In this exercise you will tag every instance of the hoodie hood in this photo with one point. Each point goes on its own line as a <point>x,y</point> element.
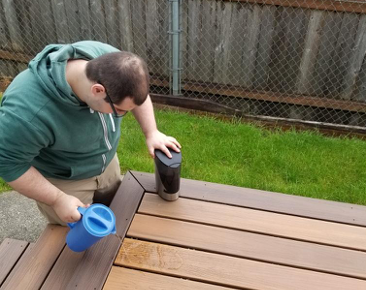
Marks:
<point>49,66</point>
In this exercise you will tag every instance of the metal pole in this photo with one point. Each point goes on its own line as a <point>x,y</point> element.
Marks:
<point>175,30</point>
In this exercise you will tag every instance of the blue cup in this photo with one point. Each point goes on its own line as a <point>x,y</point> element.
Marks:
<point>97,221</point>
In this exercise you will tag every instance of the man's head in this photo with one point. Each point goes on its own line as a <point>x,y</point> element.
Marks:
<point>122,74</point>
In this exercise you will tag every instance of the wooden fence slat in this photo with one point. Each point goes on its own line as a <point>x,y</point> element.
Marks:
<point>125,25</point>
<point>311,48</point>
<point>125,279</point>
<point>139,27</point>
<point>36,22</point>
<point>327,48</point>
<point>191,64</point>
<point>241,55</point>
<point>352,214</point>
<point>154,37</point>
<point>12,23</point>
<point>360,90</point>
<point>226,271</point>
<point>251,38</point>
<point>265,42</point>
<point>10,251</point>
<point>112,23</point>
<point>97,20</point>
<point>250,245</point>
<point>85,19</point>
<point>4,43</point>
<point>29,274</point>
<point>72,12</point>
<point>224,16</point>
<point>359,53</point>
<point>59,16</point>
<point>83,271</point>
<point>337,69</point>
<point>239,218</point>
<point>208,41</point>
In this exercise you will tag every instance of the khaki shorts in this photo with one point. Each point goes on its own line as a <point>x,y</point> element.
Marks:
<point>97,189</point>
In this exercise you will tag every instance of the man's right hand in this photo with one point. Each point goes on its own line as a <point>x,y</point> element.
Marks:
<point>65,206</point>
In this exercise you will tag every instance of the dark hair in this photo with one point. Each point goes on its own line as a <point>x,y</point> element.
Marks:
<point>123,74</point>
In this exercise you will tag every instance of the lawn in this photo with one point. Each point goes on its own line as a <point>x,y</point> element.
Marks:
<point>235,153</point>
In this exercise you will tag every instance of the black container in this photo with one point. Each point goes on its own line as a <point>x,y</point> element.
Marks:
<point>167,174</point>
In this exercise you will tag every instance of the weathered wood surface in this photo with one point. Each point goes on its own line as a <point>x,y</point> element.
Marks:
<point>89,269</point>
<point>210,236</point>
<point>126,279</point>
<point>33,270</point>
<point>269,201</point>
<point>226,270</point>
<point>49,264</point>
<point>10,251</point>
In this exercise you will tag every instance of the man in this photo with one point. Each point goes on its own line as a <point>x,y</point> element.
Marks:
<point>59,125</point>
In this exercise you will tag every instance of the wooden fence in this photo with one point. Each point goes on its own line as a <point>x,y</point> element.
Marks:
<point>304,52</point>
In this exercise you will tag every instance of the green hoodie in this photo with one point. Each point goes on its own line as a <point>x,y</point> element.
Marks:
<point>44,124</point>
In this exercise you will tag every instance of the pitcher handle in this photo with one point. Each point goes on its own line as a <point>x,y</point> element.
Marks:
<point>81,210</point>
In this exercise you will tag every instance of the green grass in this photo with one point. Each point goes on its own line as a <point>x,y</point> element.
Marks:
<point>234,153</point>
<point>300,163</point>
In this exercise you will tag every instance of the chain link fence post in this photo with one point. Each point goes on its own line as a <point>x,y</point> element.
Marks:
<point>174,35</point>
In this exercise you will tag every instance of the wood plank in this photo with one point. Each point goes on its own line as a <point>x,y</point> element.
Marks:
<point>80,268</point>
<point>359,53</point>
<point>31,273</point>
<point>72,12</point>
<point>287,49</point>
<point>10,252</point>
<point>4,42</point>
<point>122,278</point>
<point>125,25</point>
<point>311,48</point>
<point>138,16</point>
<point>12,24</point>
<point>226,271</point>
<point>208,41</point>
<point>249,245</point>
<point>85,19</point>
<point>97,17</point>
<point>251,42</point>
<point>360,91</point>
<point>327,49</point>
<point>59,16</point>
<point>239,218</point>
<point>265,42</point>
<point>264,200</point>
<point>191,63</point>
<point>337,69</point>
<point>222,69</point>
<point>112,22</point>
<point>37,23</point>
<point>242,45</point>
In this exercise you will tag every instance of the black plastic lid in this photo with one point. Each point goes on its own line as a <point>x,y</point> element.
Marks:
<point>170,162</point>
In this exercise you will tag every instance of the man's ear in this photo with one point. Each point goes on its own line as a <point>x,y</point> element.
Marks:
<point>98,90</point>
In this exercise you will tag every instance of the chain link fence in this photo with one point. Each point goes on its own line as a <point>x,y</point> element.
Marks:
<point>294,59</point>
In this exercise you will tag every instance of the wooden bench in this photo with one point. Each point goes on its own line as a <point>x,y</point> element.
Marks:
<point>213,237</point>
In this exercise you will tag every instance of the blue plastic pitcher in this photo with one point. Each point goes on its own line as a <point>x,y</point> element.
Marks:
<point>97,221</point>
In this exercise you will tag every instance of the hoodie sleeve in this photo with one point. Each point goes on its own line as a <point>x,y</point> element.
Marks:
<point>20,142</point>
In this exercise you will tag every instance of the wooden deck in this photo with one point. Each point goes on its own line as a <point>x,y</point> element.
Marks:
<point>213,237</point>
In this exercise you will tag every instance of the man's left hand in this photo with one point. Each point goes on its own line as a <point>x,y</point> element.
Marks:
<point>158,140</point>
